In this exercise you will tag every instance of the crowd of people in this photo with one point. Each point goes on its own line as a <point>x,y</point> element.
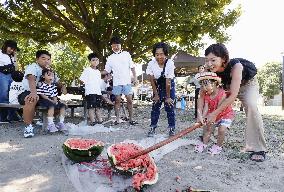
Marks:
<point>218,83</point>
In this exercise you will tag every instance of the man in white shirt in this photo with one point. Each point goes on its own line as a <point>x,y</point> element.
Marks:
<point>121,64</point>
<point>29,97</point>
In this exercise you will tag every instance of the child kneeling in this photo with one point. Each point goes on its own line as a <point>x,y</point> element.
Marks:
<point>214,95</point>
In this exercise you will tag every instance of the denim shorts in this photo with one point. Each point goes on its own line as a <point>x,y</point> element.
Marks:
<point>224,122</point>
<point>122,89</point>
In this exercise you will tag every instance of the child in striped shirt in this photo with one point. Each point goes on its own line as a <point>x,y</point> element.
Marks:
<point>47,92</point>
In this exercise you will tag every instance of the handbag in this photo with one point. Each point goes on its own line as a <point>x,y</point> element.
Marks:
<point>7,69</point>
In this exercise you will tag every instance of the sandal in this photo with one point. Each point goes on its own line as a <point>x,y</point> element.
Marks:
<point>256,155</point>
<point>133,122</point>
<point>116,123</point>
<point>199,147</point>
<point>93,123</point>
<point>215,150</point>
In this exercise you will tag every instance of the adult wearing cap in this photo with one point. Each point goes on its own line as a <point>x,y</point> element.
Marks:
<point>238,78</point>
<point>7,66</point>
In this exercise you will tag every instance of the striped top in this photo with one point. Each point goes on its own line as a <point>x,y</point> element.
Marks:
<point>46,89</point>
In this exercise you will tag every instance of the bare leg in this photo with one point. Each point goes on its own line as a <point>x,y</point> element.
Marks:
<point>117,107</point>
<point>29,111</point>
<point>98,115</point>
<point>91,115</point>
<point>207,131</point>
<point>130,107</point>
<point>62,112</point>
<point>221,135</point>
<point>50,112</point>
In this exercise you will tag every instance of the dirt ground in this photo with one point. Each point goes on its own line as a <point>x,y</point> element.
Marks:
<point>34,164</point>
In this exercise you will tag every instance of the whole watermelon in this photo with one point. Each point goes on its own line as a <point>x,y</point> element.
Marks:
<point>82,150</point>
<point>143,168</point>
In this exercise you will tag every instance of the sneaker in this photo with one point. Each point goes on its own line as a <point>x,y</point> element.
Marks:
<point>215,150</point>
<point>61,127</point>
<point>172,132</point>
<point>52,128</point>
<point>29,131</point>
<point>152,132</point>
<point>199,147</point>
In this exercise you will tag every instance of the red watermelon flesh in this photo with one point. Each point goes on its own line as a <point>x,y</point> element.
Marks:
<point>143,167</point>
<point>82,144</point>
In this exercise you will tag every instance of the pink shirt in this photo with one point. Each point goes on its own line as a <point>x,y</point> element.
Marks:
<point>213,103</point>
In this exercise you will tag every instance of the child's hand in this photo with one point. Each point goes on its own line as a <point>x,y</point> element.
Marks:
<point>211,118</point>
<point>200,119</point>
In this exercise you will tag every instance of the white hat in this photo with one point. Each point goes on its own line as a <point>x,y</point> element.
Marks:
<point>208,75</point>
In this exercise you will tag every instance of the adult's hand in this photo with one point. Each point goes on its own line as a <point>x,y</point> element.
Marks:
<point>32,97</point>
<point>200,119</point>
<point>156,98</point>
<point>169,101</point>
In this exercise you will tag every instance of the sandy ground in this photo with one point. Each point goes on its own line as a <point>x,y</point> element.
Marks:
<point>35,164</point>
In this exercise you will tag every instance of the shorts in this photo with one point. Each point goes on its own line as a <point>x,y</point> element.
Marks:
<point>122,89</point>
<point>224,122</point>
<point>93,101</point>
<point>48,104</point>
<point>22,96</point>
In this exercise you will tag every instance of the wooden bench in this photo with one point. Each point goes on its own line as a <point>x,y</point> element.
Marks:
<point>43,111</point>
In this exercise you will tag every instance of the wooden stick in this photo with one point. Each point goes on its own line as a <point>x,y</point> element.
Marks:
<point>162,143</point>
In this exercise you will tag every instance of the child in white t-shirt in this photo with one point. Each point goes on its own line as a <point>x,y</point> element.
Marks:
<point>16,87</point>
<point>91,78</point>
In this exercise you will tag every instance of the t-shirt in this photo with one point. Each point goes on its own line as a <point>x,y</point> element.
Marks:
<point>32,69</point>
<point>6,59</point>
<point>249,71</point>
<point>16,88</point>
<point>213,103</point>
<point>121,65</point>
<point>46,89</point>
<point>92,80</point>
<point>153,68</point>
<point>104,85</point>
<point>36,70</point>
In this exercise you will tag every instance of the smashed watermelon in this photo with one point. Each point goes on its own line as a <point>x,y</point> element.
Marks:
<point>82,150</point>
<point>143,168</point>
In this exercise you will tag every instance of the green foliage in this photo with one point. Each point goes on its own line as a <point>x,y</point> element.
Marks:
<point>269,78</point>
<point>68,62</point>
<point>140,23</point>
<point>67,28</point>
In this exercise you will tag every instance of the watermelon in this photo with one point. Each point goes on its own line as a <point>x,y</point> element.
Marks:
<point>82,150</point>
<point>143,168</point>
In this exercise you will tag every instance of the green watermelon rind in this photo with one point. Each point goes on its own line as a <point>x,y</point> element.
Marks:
<point>77,158</point>
<point>77,155</point>
<point>95,149</point>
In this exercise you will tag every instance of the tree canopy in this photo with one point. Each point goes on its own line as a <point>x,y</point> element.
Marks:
<point>139,23</point>
<point>269,78</point>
